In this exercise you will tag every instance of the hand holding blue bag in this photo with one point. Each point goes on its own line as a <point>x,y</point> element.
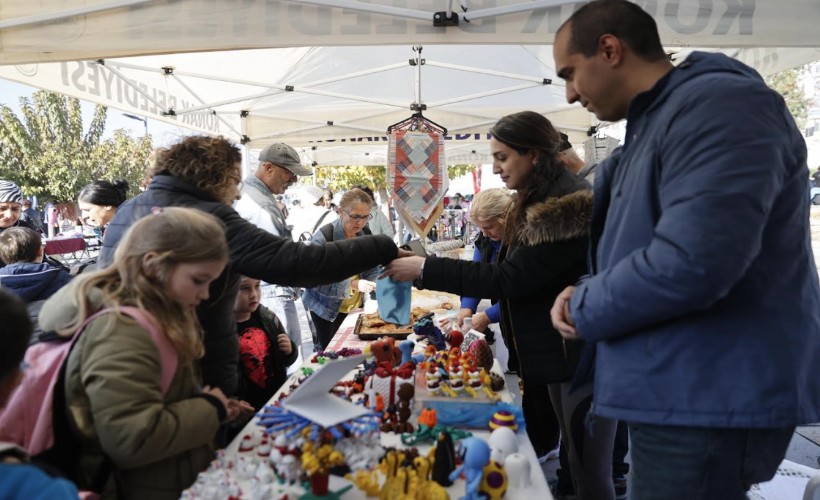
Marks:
<point>394,300</point>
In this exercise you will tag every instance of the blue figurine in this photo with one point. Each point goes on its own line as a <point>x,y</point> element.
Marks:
<point>476,456</point>
<point>425,329</point>
<point>406,348</point>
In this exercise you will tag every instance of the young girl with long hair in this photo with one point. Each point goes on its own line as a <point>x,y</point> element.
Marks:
<point>155,442</point>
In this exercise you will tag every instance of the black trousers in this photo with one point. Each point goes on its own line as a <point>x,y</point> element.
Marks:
<point>325,330</point>
<point>542,425</point>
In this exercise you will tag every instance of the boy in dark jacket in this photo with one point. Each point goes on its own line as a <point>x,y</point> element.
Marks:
<point>26,275</point>
<point>265,349</point>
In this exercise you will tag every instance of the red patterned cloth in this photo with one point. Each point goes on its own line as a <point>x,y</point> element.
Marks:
<point>417,176</point>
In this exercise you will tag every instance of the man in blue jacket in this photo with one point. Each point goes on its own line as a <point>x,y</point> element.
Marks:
<point>703,295</point>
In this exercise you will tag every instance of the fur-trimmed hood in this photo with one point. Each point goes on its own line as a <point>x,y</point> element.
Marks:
<point>557,219</point>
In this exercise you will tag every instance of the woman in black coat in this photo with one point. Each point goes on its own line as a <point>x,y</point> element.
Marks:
<point>544,249</point>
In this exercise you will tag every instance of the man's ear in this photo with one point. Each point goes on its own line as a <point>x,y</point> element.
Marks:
<point>41,254</point>
<point>611,49</point>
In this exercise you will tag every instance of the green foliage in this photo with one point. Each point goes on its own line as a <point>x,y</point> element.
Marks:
<point>787,84</point>
<point>341,178</point>
<point>48,154</point>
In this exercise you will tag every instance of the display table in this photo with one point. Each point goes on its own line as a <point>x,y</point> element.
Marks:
<point>59,246</point>
<point>345,338</point>
<point>68,251</point>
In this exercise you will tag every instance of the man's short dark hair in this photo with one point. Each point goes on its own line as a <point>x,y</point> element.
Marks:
<point>15,333</point>
<point>19,244</point>
<point>620,18</point>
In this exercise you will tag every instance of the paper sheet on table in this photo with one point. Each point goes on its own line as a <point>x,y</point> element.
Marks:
<point>313,401</point>
<point>394,299</point>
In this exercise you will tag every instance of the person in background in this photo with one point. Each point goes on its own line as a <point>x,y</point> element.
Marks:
<point>11,207</point>
<point>487,212</point>
<point>327,200</point>
<point>308,214</point>
<point>544,248</point>
<point>25,274</point>
<point>279,168</point>
<point>329,304</point>
<point>157,442</point>
<point>281,205</point>
<point>99,201</point>
<point>18,479</point>
<point>264,347</point>
<point>204,173</point>
<point>701,260</point>
<point>379,223</point>
<point>32,216</point>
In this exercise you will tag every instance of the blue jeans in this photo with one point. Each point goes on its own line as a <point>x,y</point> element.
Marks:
<point>697,463</point>
<point>285,309</point>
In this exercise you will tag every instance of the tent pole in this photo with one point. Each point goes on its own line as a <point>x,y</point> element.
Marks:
<point>482,94</point>
<point>85,10</point>
<point>490,72</point>
<point>191,91</point>
<point>417,87</point>
<point>131,84</point>
<point>513,9</point>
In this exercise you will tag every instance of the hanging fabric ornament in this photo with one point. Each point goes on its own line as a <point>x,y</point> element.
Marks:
<point>417,176</point>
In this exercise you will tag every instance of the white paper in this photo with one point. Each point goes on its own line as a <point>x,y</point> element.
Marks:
<point>313,401</point>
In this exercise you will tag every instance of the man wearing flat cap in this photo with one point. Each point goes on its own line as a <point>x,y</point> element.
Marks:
<point>279,168</point>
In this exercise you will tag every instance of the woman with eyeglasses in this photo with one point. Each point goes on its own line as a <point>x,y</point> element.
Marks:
<point>330,304</point>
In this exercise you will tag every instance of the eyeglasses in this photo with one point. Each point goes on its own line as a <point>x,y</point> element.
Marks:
<point>291,175</point>
<point>359,218</point>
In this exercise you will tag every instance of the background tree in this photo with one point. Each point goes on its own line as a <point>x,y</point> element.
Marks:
<point>788,84</point>
<point>49,155</point>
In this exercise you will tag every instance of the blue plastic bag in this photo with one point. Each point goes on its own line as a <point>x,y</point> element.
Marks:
<point>394,300</point>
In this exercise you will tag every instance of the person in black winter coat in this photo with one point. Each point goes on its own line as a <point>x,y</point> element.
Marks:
<point>204,173</point>
<point>544,250</point>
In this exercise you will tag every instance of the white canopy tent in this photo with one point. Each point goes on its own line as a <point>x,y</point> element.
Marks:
<point>335,74</point>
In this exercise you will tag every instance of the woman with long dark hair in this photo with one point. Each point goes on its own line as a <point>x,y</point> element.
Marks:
<point>543,249</point>
<point>99,201</point>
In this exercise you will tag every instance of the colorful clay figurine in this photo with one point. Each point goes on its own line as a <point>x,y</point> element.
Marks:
<point>444,462</point>
<point>476,456</point>
<point>493,481</point>
<point>455,338</point>
<point>406,348</point>
<point>503,418</point>
<point>426,330</point>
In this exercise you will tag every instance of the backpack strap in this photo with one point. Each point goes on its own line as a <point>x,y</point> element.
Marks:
<point>167,354</point>
<point>327,232</point>
<point>319,222</point>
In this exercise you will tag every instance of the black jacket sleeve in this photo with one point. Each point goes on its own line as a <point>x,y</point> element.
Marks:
<point>527,270</point>
<point>261,255</point>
